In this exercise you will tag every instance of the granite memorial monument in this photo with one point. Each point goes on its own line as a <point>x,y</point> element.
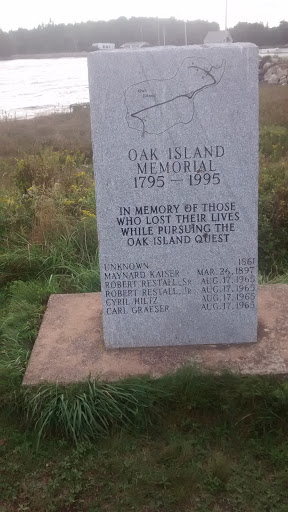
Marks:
<point>175,142</point>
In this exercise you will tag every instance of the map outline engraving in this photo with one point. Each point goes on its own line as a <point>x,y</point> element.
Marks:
<point>190,95</point>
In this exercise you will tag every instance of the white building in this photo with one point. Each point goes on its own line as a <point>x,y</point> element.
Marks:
<point>218,36</point>
<point>103,46</point>
<point>135,45</point>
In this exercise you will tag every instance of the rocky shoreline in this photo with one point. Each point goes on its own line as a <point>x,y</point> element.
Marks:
<point>273,70</point>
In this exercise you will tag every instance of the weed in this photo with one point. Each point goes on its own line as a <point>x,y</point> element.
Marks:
<point>274,141</point>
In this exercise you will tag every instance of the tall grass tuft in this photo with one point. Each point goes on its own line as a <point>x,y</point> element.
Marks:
<point>185,398</point>
<point>94,409</point>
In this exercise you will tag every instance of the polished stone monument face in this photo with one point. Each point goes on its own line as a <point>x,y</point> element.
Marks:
<point>175,141</point>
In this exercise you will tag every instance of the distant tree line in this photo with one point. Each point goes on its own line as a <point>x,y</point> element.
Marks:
<point>52,38</point>
<point>260,34</point>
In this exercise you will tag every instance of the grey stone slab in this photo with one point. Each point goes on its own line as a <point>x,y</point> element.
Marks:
<point>70,347</point>
<point>175,141</point>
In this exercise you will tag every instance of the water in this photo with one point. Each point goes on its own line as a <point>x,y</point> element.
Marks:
<point>279,52</point>
<point>29,87</point>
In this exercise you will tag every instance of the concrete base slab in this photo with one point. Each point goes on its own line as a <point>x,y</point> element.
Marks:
<point>70,347</point>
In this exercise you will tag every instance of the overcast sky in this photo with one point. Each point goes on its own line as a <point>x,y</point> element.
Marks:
<point>30,13</point>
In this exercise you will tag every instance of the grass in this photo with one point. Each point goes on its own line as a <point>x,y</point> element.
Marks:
<point>273,105</point>
<point>211,444</point>
<point>95,409</point>
<point>185,442</point>
<point>59,132</point>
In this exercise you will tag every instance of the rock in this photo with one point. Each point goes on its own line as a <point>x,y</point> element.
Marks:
<point>273,79</point>
<point>272,70</point>
<point>264,60</point>
<point>282,72</point>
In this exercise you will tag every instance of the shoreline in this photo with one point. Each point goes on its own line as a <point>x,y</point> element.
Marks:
<point>60,55</point>
<point>63,110</point>
<point>282,52</point>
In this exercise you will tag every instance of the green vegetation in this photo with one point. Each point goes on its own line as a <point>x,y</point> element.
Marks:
<point>195,444</point>
<point>273,182</point>
<point>185,442</point>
